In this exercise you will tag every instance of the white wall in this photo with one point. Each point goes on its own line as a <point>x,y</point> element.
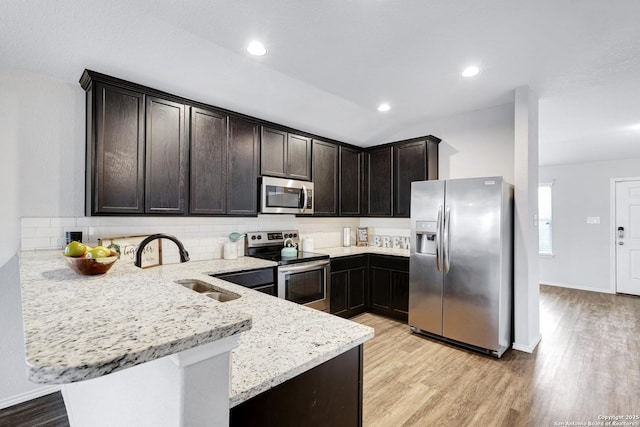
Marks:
<point>39,131</point>
<point>479,143</point>
<point>526,295</point>
<point>582,251</point>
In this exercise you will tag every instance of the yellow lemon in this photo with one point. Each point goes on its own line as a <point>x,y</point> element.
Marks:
<point>99,252</point>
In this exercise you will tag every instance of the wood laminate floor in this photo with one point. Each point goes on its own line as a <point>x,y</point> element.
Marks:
<point>587,365</point>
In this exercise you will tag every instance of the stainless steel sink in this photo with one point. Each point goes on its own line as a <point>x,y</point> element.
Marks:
<point>208,290</point>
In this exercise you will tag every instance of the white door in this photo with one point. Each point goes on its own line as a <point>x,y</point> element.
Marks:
<point>627,229</point>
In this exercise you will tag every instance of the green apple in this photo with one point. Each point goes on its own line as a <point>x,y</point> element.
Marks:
<point>75,249</point>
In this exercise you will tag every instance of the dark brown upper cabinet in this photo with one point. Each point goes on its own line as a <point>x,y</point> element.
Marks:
<point>351,177</point>
<point>414,160</point>
<point>379,175</point>
<point>410,164</point>
<point>208,149</point>
<point>167,161</point>
<point>150,152</point>
<point>285,155</point>
<point>115,150</point>
<point>325,178</point>
<point>242,167</point>
<point>224,164</point>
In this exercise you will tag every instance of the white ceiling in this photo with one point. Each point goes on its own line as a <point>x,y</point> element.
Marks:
<point>331,62</point>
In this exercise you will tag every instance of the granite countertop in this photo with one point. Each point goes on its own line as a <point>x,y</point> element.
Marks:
<point>340,251</point>
<point>81,327</point>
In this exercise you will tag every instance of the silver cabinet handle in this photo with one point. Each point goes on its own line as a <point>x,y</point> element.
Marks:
<point>447,221</point>
<point>438,225</point>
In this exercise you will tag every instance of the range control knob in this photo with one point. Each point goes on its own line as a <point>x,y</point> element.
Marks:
<point>253,237</point>
<point>259,237</point>
<point>295,234</point>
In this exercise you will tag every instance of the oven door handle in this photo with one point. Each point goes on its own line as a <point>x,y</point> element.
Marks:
<point>302,268</point>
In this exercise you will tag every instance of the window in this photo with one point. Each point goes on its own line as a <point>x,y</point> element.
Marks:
<point>545,221</point>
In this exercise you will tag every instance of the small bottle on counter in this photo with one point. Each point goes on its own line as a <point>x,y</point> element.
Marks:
<point>346,236</point>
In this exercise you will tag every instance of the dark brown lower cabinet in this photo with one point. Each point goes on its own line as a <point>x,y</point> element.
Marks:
<point>328,395</point>
<point>375,283</point>
<point>389,286</point>
<point>349,286</point>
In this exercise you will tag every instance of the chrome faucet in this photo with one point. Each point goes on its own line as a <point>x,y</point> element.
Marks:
<point>184,255</point>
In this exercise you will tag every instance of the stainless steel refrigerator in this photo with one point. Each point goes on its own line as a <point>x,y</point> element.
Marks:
<point>461,265</point>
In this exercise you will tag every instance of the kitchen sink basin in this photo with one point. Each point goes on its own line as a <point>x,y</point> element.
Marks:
<point>208,290</point>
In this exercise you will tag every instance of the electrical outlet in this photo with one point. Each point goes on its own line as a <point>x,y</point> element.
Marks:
<point>593,220</point>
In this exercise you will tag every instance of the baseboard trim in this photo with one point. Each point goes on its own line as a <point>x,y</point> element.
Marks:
<point>578,287</point>
<point>527,348</point>
<point>29,395</point>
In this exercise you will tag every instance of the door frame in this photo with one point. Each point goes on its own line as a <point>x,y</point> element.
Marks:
<point>612,232</point>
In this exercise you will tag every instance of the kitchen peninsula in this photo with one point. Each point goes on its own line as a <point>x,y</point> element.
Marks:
<point>83,330</point>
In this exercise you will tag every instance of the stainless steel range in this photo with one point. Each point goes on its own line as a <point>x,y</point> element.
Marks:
<point>303,278</point>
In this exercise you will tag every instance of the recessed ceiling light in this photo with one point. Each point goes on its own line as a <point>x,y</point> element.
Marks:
<point>256,48</point>
<point>384,107</point>
<point>470,71</point>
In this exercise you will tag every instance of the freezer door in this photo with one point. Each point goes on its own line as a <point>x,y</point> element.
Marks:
<point>425,265</point>
<point>472,252</point>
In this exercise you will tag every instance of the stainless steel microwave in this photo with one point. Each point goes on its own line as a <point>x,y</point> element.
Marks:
<point>285,196</point>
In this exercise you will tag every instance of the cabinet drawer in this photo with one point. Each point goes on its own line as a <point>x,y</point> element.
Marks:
<point>389,262</point>
<point>249,279</point>
<point>348,262</point>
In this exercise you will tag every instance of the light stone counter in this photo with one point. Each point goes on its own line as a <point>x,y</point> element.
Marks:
<point>81,327</point>
<point>340,251</point>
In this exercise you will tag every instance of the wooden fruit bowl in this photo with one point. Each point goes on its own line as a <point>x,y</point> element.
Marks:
<point>90,266</point>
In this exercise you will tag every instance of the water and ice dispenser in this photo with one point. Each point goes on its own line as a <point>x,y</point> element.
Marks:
<point>426,237</point>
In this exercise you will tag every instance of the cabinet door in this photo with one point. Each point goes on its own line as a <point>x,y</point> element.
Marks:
<point>432,158</point>
<point>380,288</point>
<point>208,149</point>
<point>116,150</point>
<point>242,168</point>
<point>357,290</point>
<point>325,178</point>
<point>166,157</point>
<point>379,176</point>
<point>410,164</point>
<point>400,292</point>
<point>338,296</point>
<point>350,181</point>
<point>273,152</point>
<point>298,160</point>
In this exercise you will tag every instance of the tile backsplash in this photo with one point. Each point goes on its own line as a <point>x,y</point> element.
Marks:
<point>204,237</point>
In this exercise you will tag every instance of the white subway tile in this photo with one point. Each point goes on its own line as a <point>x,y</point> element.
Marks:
<point>36,243</point>
<point>49,232</point>
<point>84,221</point>
<point>58,242</point>
<point>29,232</point>
<point>63,222</point>
<point>36,222</point>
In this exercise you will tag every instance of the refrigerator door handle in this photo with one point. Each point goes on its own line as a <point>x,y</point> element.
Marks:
<point>438,227</point>
<point>447,261</point>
